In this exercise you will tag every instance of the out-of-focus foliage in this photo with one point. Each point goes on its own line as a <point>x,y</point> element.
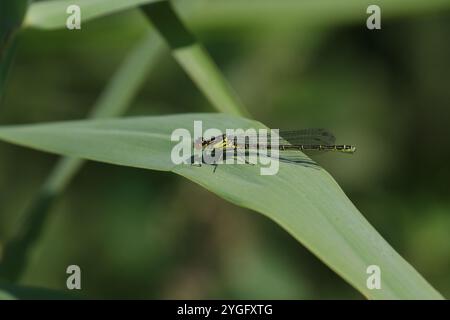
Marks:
<point>13,292</point>
<point>51,14</point>
<point>11,17</point>
<point>150,234</point>
<point>114,100</point>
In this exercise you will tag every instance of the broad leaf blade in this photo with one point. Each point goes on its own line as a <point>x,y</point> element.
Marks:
<point>305,201</point>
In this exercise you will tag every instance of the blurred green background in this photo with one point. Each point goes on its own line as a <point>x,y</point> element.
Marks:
<point>146,234</point>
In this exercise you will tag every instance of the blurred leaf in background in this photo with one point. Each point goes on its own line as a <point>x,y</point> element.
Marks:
<point>11,16</point>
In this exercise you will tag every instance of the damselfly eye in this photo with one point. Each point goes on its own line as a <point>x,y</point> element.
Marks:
<point>199,143</point>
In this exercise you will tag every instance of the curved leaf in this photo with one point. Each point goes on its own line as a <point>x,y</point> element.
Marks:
<point>52,14</point>
<point>305,201</point>
<point>194,59</point>
<point>229,13</point>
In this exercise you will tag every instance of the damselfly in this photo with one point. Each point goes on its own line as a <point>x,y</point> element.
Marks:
<point>288,143</point>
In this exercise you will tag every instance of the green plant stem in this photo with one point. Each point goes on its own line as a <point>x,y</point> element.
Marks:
<point>11,17</point>
<point>194,58</point>
<point>113,102</point>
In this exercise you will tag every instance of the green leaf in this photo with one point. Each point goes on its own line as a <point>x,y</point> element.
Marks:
<point>11,16</point>
<point>305,201</point>
<point>232,13</point>
<point>52,14</point>
<point>194,58</point>
<point>6,296</point>
<point>13,292</point>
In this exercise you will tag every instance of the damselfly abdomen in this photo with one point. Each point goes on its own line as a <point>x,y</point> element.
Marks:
<point>287,143</point>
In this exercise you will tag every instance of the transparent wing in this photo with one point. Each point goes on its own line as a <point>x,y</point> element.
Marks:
<point>287,156</point>
<point>308,137</point>
<point>295,137</point>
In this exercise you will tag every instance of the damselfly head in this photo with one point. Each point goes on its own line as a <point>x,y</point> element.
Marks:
<point>199,143</point>
<point>202,142</point>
